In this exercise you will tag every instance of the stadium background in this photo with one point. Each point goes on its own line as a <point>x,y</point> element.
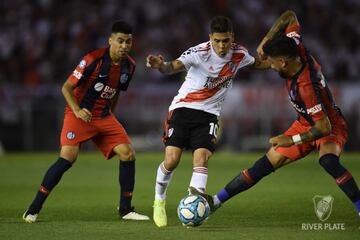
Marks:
<point>42,41</point>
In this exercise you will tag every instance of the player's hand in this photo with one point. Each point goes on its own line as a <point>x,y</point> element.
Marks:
<point>281,141</point>
<point>260,50</point>
<point>83,114</point>
<point>153,61</point>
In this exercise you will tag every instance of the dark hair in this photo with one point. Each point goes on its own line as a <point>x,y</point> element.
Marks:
<point>121,27</point>
<point>281,46</point>
<point>221,24</point>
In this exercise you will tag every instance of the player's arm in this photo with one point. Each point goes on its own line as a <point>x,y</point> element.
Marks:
<point>67,91</point>
<point>166,67</point>
<point>320,129</point>
<point>286,19</point>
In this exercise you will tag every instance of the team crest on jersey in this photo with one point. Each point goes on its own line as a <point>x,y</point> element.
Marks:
<point>124,77</point>
<point>70,135</point>
<point>82,64</point>
<point>170,132</point>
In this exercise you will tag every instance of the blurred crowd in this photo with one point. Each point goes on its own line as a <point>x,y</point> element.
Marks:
<point>41,41</point>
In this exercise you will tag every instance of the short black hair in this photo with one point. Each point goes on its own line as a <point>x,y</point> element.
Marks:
<point>221,24</point>
<point>121,27</point>
<point>281,46</point>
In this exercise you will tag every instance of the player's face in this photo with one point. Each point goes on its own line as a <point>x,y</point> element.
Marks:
<point>120,44</point>
<point>278,64</point>
<point>221,42</point>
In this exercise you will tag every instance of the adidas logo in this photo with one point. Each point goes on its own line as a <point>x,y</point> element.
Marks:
<point>211,68</point>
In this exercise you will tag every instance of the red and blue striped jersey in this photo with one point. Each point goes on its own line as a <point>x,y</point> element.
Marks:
<point>97,80</point>
<point>308,91</point>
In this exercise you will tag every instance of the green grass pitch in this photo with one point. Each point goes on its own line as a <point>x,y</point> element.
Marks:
<point>83,205</point>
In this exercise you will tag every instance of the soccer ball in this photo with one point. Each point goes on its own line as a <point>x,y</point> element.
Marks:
<point>193,210</point>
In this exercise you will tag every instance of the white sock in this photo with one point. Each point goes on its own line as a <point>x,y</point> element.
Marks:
<point>199,178</point>
<point>216,200</point>
<point>163,178</point>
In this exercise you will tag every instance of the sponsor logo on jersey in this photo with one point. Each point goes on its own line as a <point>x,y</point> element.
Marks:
<point>77,74</point>
<point>82,64</point>
<point>297,107</point>
<point>108,92</point>
<point>314,109</point>
<point>124,77</point>
<point>222,82</point>
<point>102,76</point>
<point>99,86</point>
<point>70,135</point>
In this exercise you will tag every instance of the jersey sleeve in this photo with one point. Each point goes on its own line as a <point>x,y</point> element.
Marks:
<point>80,69</point>
<point>247,60</point>
<point>189,58</point>
<point>314,107</point>
<point>293,31</point>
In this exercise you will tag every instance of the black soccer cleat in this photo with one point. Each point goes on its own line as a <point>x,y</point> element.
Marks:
<point>208,198</point>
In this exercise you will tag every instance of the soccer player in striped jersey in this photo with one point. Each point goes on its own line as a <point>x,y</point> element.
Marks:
<point>91,93</point>
<point>192,119</point>
<point>320,124</point>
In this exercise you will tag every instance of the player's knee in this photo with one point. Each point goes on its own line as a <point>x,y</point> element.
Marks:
<point>171,160</point>
<point>276,161</point>
<point>69,154</point>
<point>127,155</point>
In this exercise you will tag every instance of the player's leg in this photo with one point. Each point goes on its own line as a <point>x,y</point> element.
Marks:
<point>329,153</point>
<point>199,176</point>
<point>273,159</point>
<point>249,177</point>
<point>68,156</point>
<point>163,178</point>
<point>175,139</point>
<point>203,141</point>
<point>127,182</point>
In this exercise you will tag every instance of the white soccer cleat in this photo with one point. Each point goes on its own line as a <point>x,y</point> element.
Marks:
<point>130,214</point>
<point>135,216</point>
<point>29,218</point>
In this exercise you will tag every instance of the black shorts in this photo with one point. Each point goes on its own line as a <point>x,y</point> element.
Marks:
<point>191,129</point>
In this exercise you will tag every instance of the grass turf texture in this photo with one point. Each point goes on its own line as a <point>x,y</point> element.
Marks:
<point>83,205</point>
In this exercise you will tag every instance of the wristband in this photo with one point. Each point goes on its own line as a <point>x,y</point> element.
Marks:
<point>296,139</point>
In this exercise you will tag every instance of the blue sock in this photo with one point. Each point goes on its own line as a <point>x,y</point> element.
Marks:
<point>127,182</point>
<point>50,180</point>
<point>357,205</point>
<point>223,195</point>
<point>246,179</point>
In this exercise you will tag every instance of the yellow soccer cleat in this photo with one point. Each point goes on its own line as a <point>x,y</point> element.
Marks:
<point>159,216</point>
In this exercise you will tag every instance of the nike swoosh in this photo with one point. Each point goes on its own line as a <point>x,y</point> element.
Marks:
<point>101,76</point>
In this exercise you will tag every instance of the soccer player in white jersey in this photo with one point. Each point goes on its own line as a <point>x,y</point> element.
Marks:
<point>193,114</point>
